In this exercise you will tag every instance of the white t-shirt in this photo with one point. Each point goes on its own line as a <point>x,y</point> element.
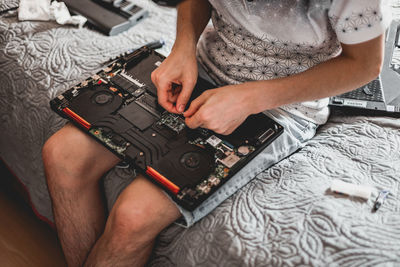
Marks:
<point>267,39</point>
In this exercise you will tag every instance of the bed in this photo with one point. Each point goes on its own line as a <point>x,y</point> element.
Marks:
<point>284,217</point>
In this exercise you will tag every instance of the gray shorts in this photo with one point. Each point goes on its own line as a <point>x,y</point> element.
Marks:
<point>297,132</point>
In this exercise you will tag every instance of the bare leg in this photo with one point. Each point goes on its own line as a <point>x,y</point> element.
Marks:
<point>140,213</point>
<point>74,164</point>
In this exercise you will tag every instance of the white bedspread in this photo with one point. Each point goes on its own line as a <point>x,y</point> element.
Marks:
<point>284,217</point>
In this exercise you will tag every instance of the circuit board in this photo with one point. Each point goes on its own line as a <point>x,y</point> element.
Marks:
<point>118,107</point>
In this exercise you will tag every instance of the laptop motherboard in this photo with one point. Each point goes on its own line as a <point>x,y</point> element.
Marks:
<point>118,107</point>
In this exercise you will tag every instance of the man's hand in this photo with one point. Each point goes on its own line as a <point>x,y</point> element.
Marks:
<point>180,67</point>
<point>175,79</point>
<point>221,110</point>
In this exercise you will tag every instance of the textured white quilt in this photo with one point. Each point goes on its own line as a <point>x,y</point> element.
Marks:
<point>284,217</point>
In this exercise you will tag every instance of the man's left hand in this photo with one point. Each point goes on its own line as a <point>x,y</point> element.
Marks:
<point>221,110</point>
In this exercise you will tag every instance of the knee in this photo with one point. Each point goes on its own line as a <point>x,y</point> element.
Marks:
<point>53,161</point>
<point>62,167</point>
<point>51,151</point>
<point>132,223</point>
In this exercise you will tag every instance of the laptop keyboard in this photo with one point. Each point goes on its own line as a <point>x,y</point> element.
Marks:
<point>369,92</point>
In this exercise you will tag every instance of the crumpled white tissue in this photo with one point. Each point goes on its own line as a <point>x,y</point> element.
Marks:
<point>44,10</point>
<point>34,10</point>
<point>59,12</point>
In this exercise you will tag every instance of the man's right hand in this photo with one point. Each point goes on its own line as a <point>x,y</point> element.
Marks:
<point>180,67</point>
<point>175,79</point>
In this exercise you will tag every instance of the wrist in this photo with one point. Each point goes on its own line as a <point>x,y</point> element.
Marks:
<point>185,40</point>
<point>188,49</point>
<point>252,98</point>
<point>264,95</point>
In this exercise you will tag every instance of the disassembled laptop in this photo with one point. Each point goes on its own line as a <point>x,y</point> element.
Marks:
<point>118,107</point>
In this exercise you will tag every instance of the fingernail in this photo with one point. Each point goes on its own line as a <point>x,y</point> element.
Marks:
<point>181,108</point>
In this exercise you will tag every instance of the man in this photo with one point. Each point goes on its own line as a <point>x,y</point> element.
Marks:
<point>280,57</point>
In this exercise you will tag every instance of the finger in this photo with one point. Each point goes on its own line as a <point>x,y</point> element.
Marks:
<point>174,92</point>
<point>195,106</point>
<point>163,88</point>
<point>184,95</point>
<point>172,97</point>
<point>162,94</point>
<point>194,121</point>
<point>154,77</point>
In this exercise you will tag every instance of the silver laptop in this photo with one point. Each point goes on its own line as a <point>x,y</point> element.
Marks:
<point>382,95</point>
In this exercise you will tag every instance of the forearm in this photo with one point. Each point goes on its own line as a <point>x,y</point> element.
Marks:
<point>193,16</point>
<point>338,75</point>
<point>330,78</point>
